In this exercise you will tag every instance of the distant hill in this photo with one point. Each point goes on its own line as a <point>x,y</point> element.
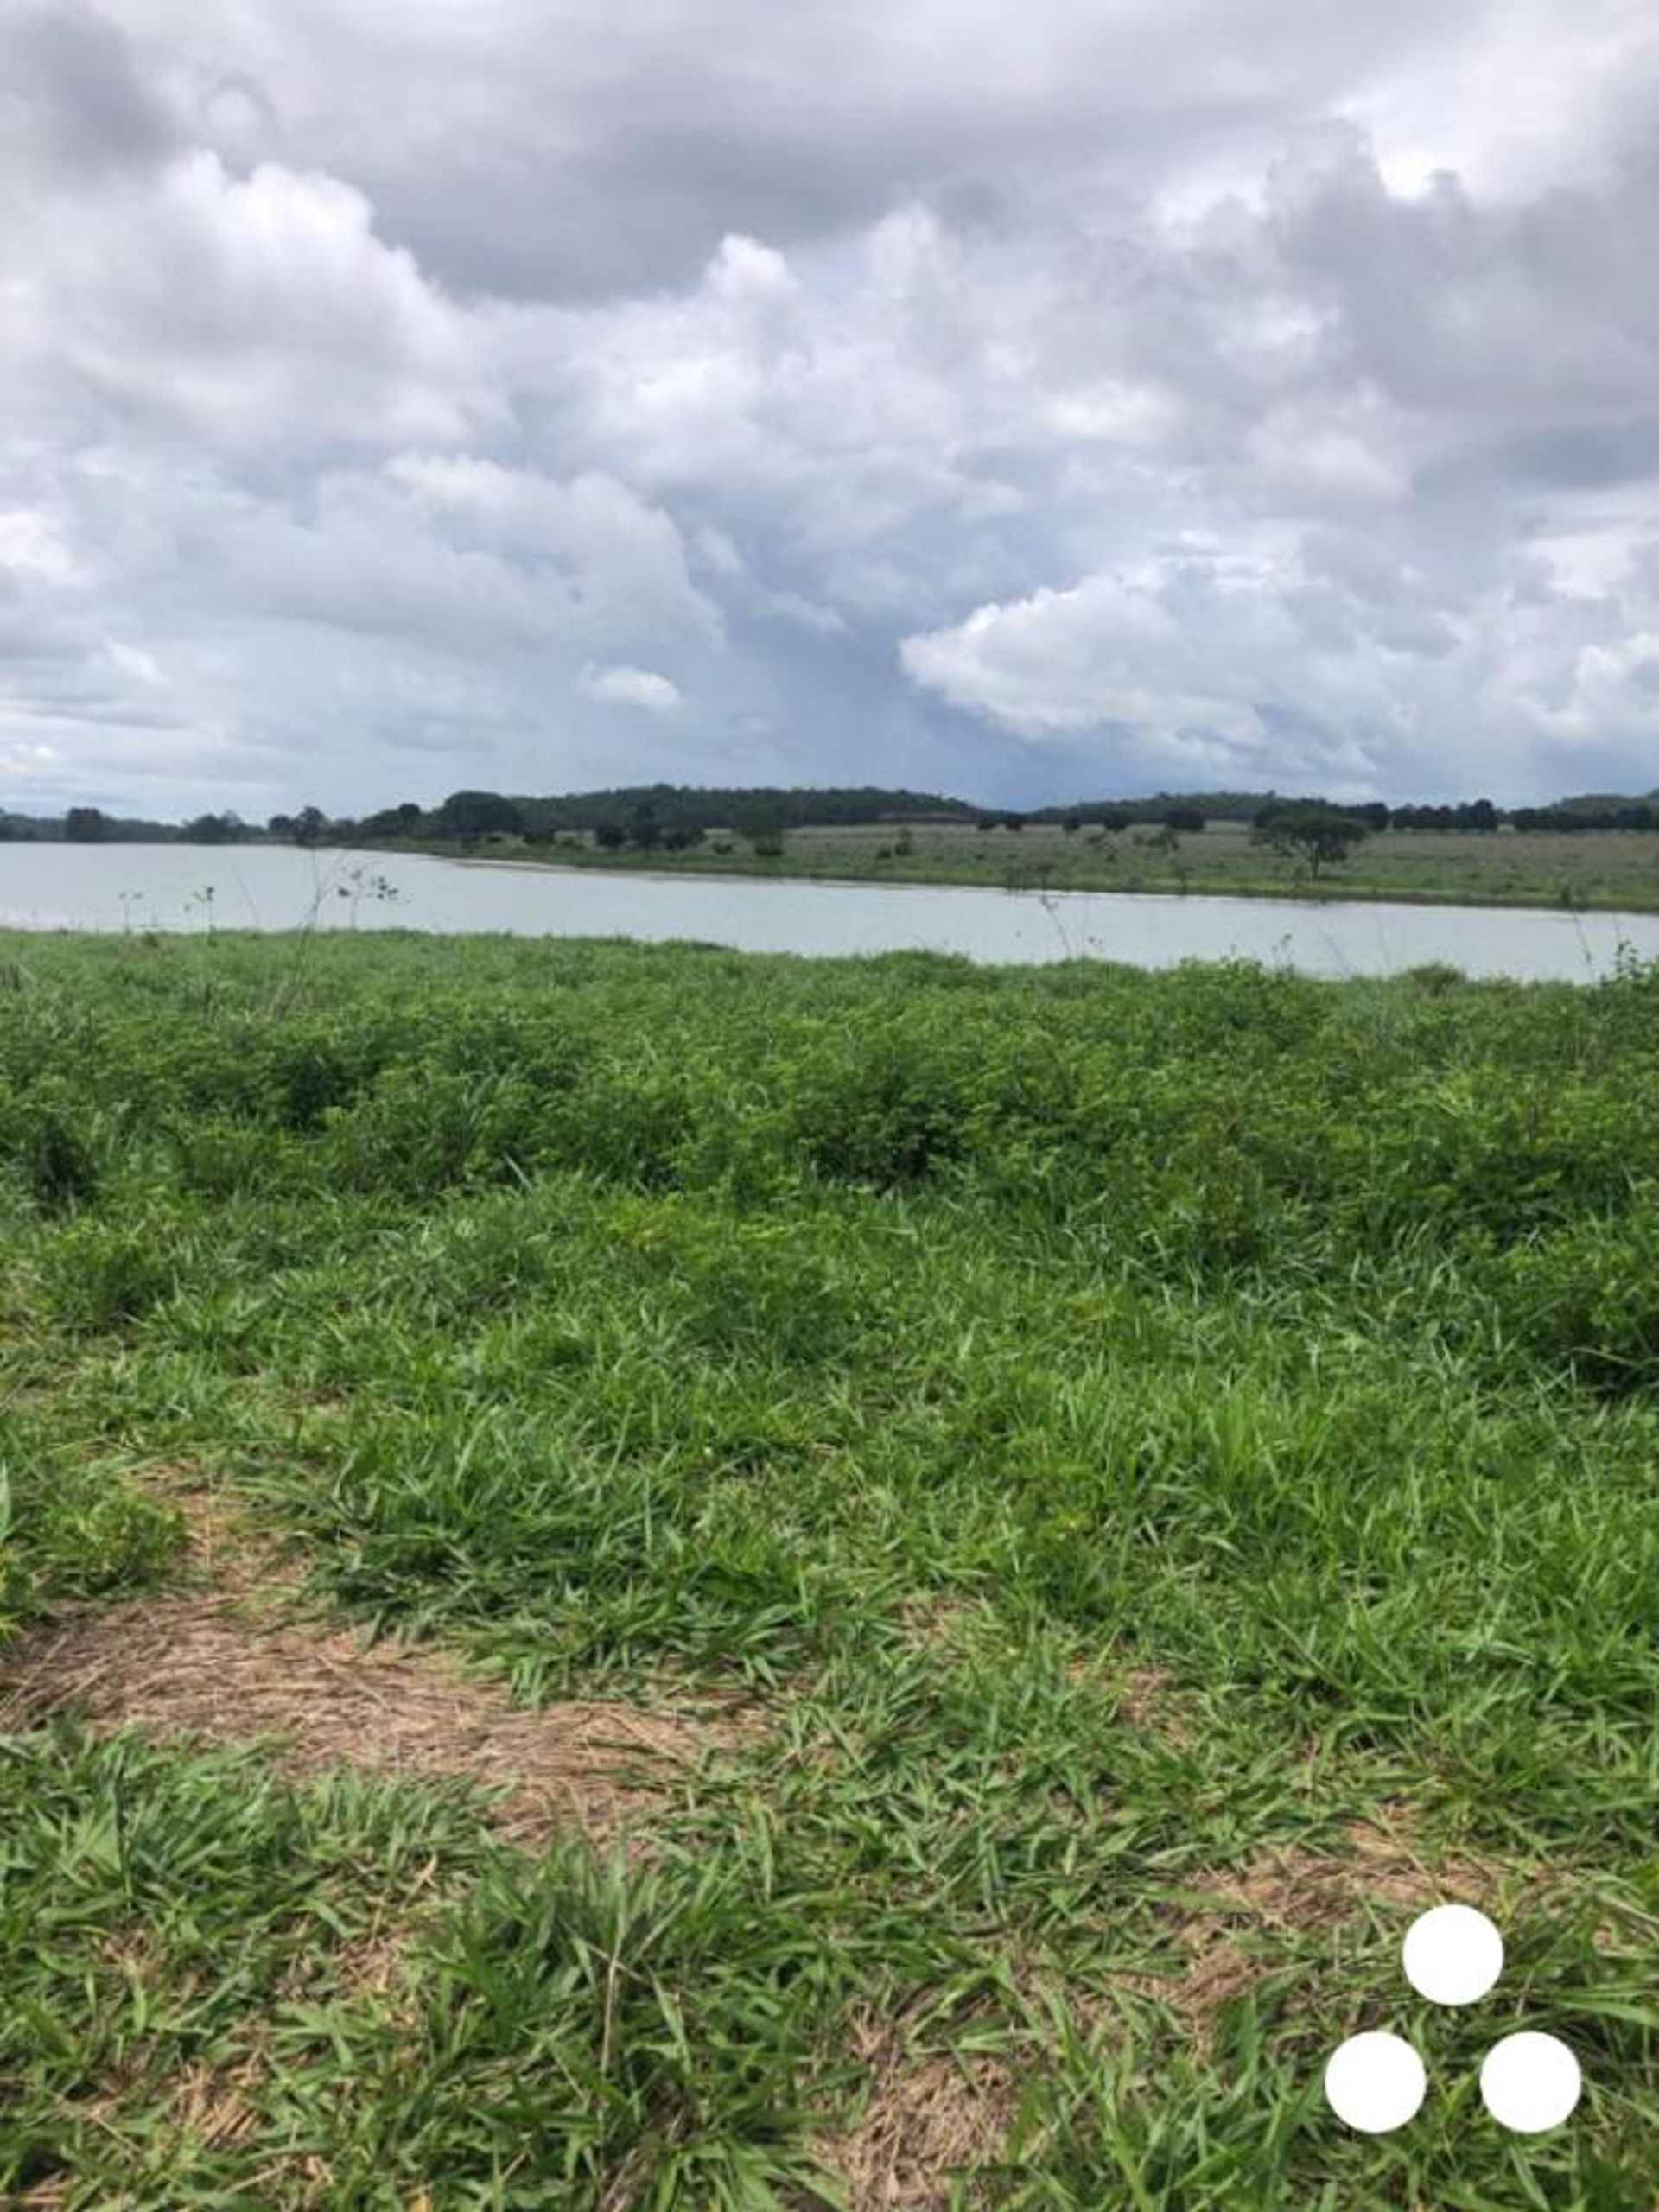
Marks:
<point>691,806</point>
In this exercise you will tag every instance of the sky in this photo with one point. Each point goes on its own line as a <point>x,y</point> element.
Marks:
<point>1078,398</point>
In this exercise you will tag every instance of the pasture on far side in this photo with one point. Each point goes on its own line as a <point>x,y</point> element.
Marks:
<point>1596,869</point>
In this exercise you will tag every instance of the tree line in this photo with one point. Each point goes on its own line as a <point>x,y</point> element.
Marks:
<point>666,814</point>
<point>674,817</point>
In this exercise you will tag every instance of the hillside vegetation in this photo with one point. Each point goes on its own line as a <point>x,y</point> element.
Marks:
<point>1087,1498</point>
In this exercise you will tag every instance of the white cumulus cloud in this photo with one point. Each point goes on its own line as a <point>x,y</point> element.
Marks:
<point>623,686</point>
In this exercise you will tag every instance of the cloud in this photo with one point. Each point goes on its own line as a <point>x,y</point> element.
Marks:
<point>31,547</point>
<point>632,687</point>
<point>601,152</point>
<point>1342,676</point>
<point>1018,403</point>
<point>252,310</point>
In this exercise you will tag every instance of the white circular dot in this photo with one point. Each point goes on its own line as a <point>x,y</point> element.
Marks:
<point>1375,2081</point>
<point>1529,2083</point>
<point>1453,1955</point>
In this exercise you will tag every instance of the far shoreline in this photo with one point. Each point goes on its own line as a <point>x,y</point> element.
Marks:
<point>833,878</point>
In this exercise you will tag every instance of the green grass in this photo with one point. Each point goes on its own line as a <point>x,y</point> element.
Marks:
<point>1580,870</point>
<point>941,1356</point>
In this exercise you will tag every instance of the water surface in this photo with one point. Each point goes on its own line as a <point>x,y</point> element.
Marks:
<point>278,887</point>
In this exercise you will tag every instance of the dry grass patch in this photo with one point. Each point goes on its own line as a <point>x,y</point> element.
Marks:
<point>932,2119</point>
<point>1148,1699</point>
<point>940,1621</point>
<point>1295,1891</point>
<point>201,1665</point>
<point>216,2105</point>
<point>224,1547</point>
<point>1146,1696</point>
<point>231,1658</point>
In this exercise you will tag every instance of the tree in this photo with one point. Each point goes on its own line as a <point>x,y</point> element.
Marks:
<point>1319,836</point>
<point>609,836</point>
<point>309,823</point>
<point>86,825</point>
<point>479,814</point>
<point>1184,821</point>
<point>644,827</point>
<point>1114,821</point>
<point>389,821</point>
<point>226,828</point>
<point>1014,821</point>
<point>1072,823</point>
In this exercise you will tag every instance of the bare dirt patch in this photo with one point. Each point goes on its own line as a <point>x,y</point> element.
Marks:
<point>233,1659</point>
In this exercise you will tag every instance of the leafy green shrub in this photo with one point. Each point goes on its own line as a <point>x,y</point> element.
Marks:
<point>422,1129</point>
<point>98,1273</point>
<point>628,1120</point>
<point>884,1106</point>
<point>1435,977</point>
<point>764,1287</point>
<point>43,1144</point>
<point>225,1159</point>
<point>316,1066</point>
<point>1475,1153</point>
<point>1586,1298</point>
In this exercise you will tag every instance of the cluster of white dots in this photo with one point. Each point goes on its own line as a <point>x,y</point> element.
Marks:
<point>1453,1955</point>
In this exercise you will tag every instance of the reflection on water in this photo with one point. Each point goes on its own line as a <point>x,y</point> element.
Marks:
<point>278,887</point>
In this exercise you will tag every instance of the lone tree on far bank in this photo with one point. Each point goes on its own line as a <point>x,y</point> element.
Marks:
<point>1319,836</point>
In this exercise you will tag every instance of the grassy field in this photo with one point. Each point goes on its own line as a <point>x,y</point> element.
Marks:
<point>641,1578</point>
<point>1588,869</point>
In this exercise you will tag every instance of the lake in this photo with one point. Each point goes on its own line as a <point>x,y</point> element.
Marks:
<point>279,887</point>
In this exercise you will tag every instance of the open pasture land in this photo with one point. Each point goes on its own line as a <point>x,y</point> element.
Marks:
<point>642,1577</point>
<point>1588,868</point>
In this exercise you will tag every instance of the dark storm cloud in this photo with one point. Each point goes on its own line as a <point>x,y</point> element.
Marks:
<point>72,93</point>
<point>549,149</point>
